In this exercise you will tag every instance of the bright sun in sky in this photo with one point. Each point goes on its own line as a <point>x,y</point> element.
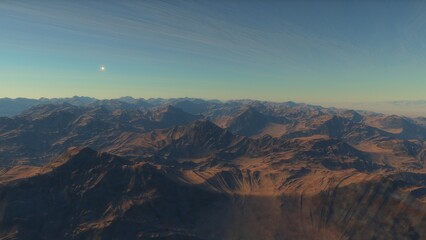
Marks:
<point>102,68</point>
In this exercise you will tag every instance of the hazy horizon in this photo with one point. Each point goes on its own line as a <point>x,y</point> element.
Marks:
<point>415,108</point>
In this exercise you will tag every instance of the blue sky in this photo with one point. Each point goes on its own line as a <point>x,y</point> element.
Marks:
<point>307,51</point>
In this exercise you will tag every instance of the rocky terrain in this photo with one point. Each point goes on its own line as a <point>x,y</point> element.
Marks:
<point>195,169</point>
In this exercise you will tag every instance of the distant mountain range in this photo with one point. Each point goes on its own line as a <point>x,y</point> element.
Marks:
<point>10,107</point>
<point>81,168</point>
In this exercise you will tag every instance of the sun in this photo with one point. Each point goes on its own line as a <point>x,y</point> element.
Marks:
<point>102,68</point>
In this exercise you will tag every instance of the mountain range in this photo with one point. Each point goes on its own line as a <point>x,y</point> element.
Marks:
<point>82,168</point>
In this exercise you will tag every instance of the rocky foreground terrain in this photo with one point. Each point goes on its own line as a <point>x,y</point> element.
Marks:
<point>194,169</point>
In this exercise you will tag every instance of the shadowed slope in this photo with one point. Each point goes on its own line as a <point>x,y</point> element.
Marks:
<point>92,195</point>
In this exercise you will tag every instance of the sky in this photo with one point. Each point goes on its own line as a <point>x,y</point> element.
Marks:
<point>305,51</point>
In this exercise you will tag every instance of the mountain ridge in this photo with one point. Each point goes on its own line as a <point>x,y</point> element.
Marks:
<point>111,171</point>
